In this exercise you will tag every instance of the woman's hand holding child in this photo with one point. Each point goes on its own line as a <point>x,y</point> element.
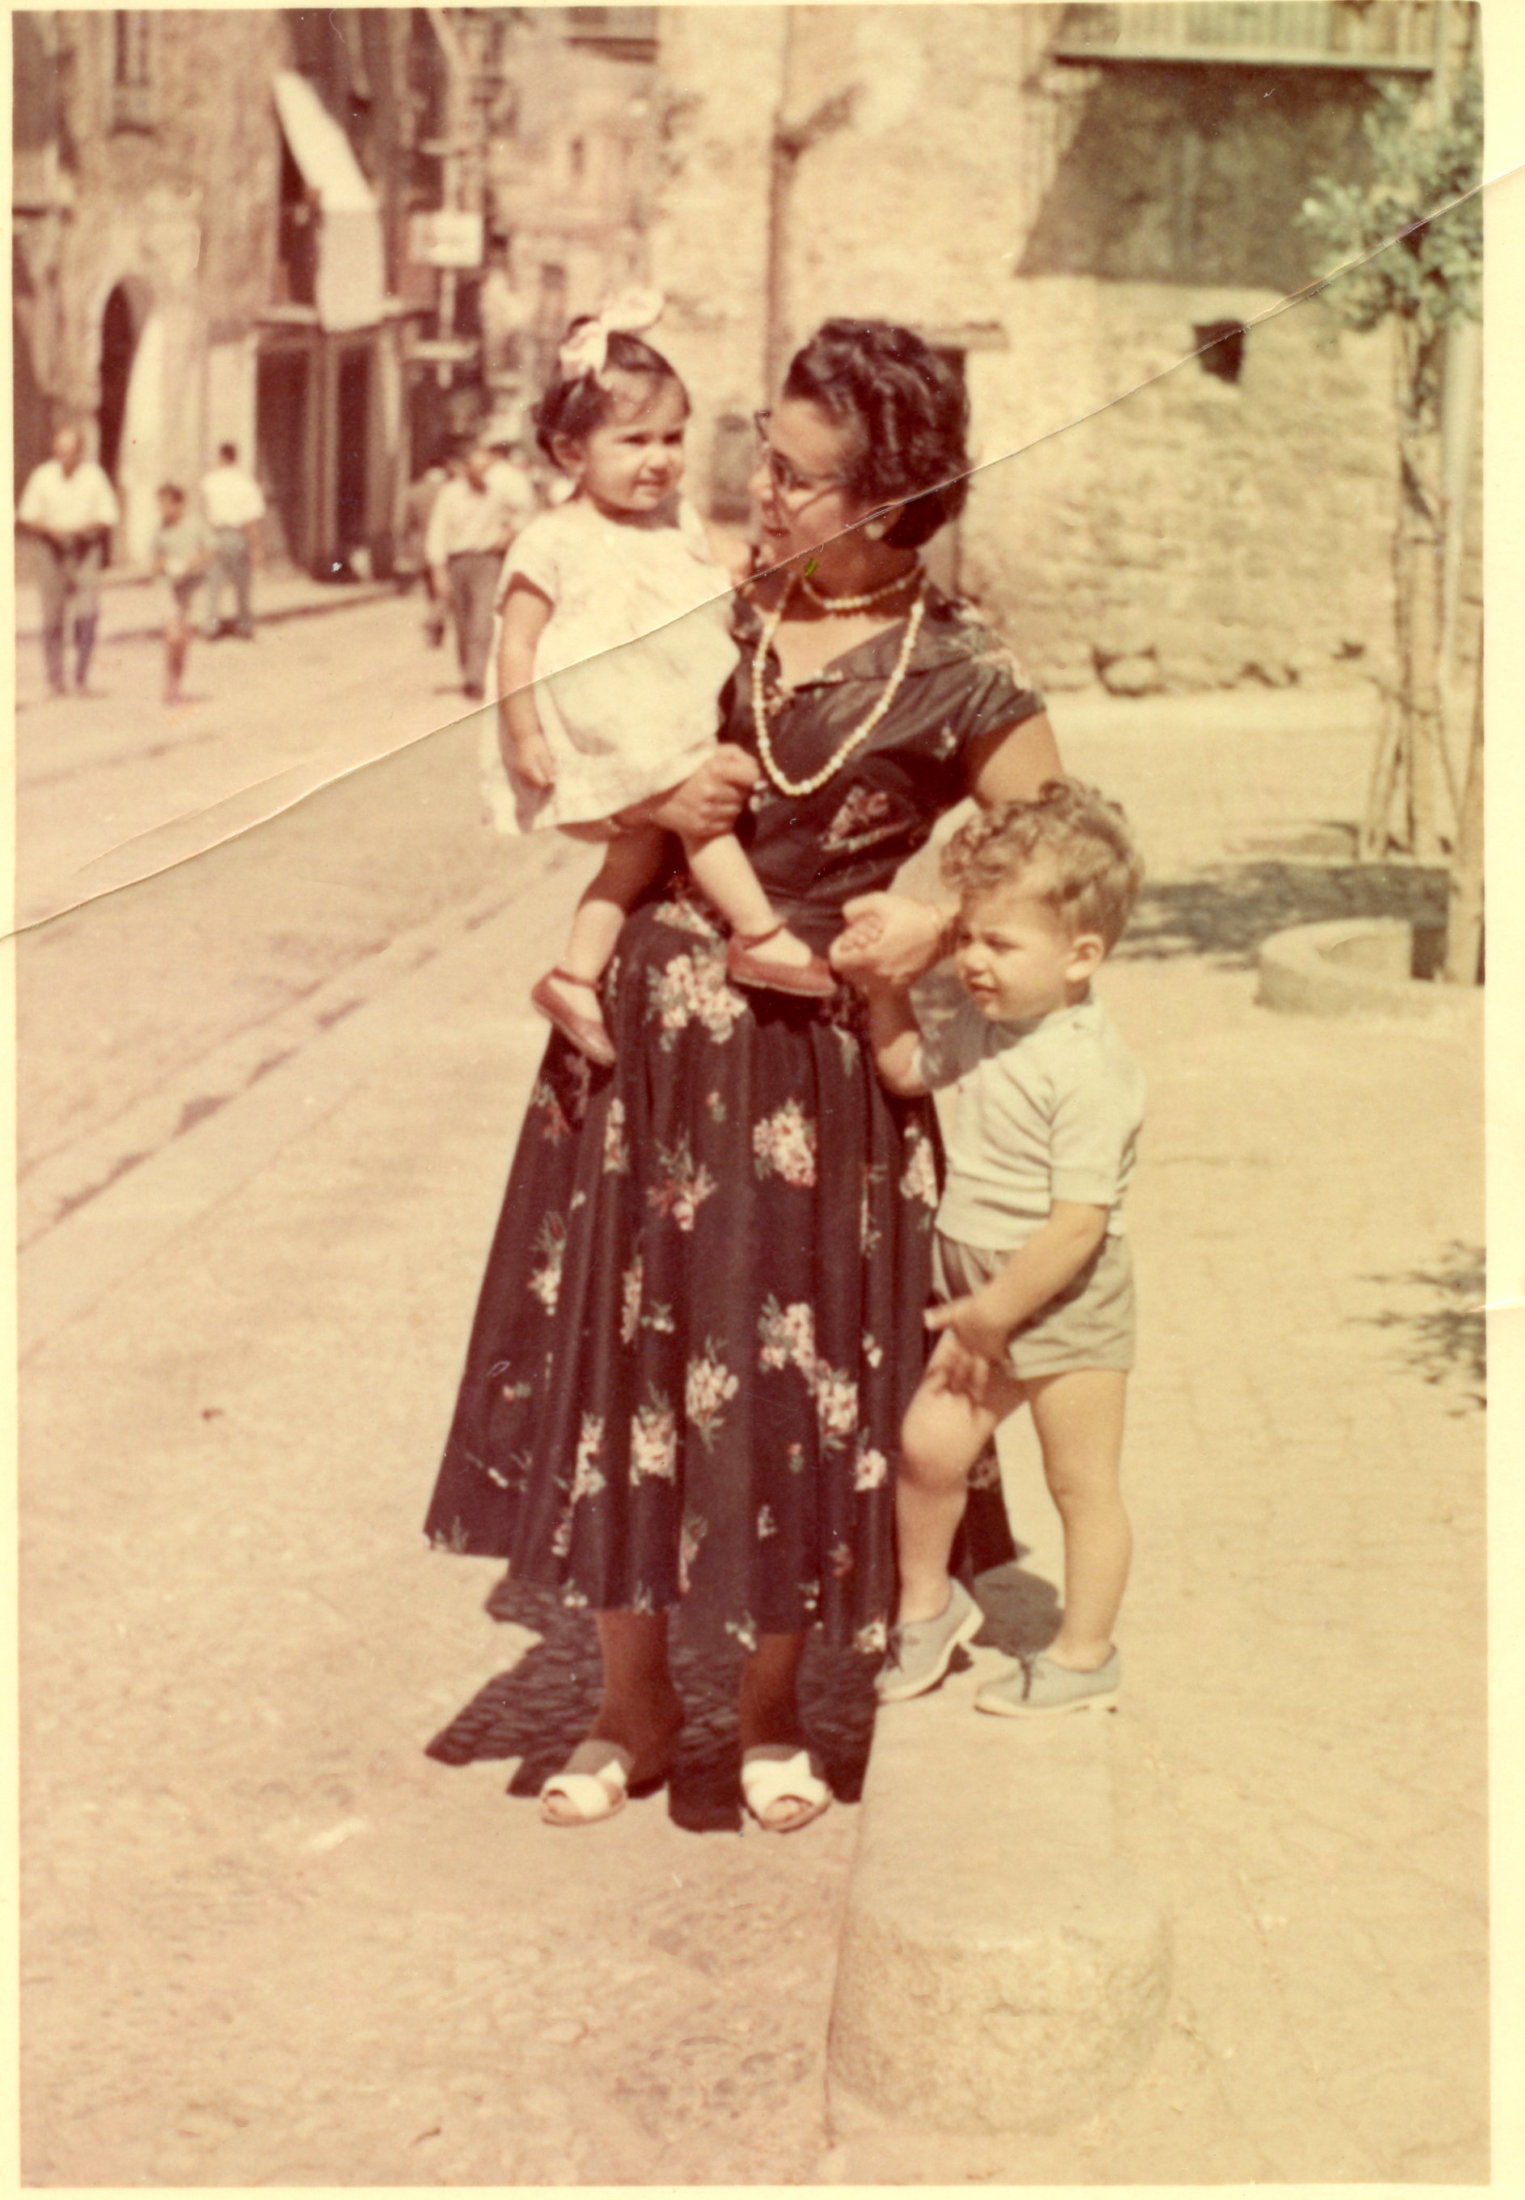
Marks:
<point>890,939</point>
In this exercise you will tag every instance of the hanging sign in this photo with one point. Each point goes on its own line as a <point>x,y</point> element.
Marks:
<point>447,238</point>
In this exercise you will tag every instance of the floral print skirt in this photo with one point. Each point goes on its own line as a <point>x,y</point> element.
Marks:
<point>701,1321</point>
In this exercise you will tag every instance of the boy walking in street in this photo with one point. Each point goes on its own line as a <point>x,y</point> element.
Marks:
<point>1030,1261</point>
<point>182,547</point>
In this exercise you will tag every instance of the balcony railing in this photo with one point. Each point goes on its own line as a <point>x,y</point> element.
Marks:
<point>1284,34</point>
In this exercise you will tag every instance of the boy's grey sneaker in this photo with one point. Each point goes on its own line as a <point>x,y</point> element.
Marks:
<point>1038,1686</point>
<point>921,1650</point>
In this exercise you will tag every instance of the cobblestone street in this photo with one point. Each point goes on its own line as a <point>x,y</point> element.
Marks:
<point>283,1927</point>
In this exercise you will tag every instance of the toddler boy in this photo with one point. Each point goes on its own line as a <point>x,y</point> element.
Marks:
<point>1030,1262</point>
<point>181,549</point>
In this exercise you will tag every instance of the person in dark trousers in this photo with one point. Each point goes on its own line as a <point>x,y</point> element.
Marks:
<point>418,506</point>
<point>69,508</point>
<point>470,528</point>
<point>234,507</point>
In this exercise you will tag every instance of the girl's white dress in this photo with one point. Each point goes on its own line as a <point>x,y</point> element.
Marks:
<point>630,665</point>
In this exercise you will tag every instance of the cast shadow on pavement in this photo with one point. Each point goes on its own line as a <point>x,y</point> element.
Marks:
<point>1446,1342</point>
<point>540,1710</point>
<point>1228,910</point>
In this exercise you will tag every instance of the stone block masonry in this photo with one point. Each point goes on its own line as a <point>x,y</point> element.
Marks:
<point>1002,1968</point>
<point>1065,234</point>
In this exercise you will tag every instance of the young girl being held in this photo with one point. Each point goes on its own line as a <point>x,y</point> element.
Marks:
<point>615,648</point>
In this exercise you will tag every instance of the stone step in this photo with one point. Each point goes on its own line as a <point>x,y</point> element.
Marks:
<point>1002,1967</point>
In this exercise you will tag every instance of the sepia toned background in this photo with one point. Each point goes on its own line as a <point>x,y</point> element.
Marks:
<point>283,1926</point>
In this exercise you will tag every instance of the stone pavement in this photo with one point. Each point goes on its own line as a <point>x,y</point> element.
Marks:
<point>270,1940</point>
<point>131,606</point>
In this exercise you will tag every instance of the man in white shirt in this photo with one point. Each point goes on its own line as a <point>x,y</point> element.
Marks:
<point>69,508</point>
<point>234,506</point>
<point>470,528</point>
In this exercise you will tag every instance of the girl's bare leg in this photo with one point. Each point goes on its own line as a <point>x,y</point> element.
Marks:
<point>629,865</point>
<point>724,869</point>
<point>177,640</point>
<point>1079,1419</point>
<point>944,1434</point>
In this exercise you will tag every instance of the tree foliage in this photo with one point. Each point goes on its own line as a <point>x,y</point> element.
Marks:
<point>1415,227</point>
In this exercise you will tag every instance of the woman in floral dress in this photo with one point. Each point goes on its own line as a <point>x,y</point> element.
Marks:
<point>701,1319</point>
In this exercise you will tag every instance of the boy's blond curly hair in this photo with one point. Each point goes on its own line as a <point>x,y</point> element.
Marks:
<point>1075,841</point>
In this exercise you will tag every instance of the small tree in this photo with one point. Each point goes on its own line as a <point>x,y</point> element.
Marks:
<point>1413,233</point>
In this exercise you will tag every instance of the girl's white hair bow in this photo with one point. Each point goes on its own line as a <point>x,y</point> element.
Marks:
<point>587,349</point>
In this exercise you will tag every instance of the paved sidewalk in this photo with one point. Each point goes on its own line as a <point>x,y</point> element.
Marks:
<point>270,1941</point>
<point>131,608</point>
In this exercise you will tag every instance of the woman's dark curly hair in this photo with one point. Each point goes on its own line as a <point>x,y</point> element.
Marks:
<point>910,409</point>
<point>575,405</point>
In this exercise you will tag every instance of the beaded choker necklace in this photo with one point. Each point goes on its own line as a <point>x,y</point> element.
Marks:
<point>860,734</point>
<point>839,607</point>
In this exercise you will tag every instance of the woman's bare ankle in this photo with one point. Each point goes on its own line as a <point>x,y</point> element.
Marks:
<point>647,1724</point>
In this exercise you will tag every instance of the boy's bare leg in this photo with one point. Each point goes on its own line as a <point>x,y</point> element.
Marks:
<point>177,636</point>
<point>724,869</point>
<point>1079,1419</point>
<point>629,865</point>
<point>945,1432</point>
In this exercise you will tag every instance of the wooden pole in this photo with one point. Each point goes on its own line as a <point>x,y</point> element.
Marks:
<point>1464,912</point>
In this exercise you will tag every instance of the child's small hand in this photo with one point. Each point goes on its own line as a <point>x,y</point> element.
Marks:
<point>530,756</point>
<point>972,1344</point>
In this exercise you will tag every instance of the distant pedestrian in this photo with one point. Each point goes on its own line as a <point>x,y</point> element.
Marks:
<point>69,507</point>
<point>1029,1260</point>
<point>234,505</point>
<point>418,505</point>
<point>182,551</point>
<point>470,528</point>
<point>511,481</point>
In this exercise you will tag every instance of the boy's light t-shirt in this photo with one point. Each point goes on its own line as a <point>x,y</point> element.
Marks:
<point>1044,1110</point>
<point>182,544</point>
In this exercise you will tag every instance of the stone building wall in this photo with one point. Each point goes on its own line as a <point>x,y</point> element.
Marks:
<point>175,214</point>
<point>718,94</point>
<point>1065,231</point>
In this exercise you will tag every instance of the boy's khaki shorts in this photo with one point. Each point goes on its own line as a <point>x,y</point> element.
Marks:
<point>1088,1324</point>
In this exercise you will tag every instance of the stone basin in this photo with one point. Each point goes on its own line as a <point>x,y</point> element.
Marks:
<point>1361,966</point>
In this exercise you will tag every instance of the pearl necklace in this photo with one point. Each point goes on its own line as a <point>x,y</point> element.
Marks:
<point>840,606</point>
<point>860,734</point>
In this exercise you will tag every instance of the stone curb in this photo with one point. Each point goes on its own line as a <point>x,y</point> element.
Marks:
<point>1357,966</point>
<point>1001,1968</point>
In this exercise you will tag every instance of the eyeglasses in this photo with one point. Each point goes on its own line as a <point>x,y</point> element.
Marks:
<point>784,474</point>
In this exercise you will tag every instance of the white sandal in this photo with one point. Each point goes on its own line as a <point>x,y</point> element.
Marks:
<point>594,1783</point>
<point>776,1772</point>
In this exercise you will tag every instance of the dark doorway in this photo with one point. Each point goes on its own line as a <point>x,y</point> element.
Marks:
<point>119,340</point>
<point>353,453</point>
<point>281,436</point>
